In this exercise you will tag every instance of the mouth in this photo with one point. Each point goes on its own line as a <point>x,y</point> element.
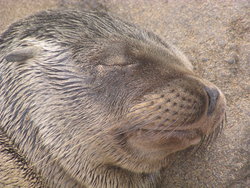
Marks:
<point>165,140</point>
<point>179,138</point>
<point>172,132</point>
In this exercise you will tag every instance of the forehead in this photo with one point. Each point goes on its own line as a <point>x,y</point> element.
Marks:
<point>165,55</point>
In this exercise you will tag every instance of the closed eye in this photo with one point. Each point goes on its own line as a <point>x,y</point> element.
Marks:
<point>118,60</point>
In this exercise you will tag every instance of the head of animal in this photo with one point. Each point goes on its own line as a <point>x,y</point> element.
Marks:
<point>91,100</point>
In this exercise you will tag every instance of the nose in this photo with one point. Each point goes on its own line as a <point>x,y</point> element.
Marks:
<point>213,95</point>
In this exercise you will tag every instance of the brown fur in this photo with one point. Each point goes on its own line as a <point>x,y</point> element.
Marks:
<point>93,101</point>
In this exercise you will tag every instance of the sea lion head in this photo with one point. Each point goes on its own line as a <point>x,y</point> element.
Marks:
<point>101,99</point>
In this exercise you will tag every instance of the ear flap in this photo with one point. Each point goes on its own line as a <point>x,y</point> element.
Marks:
<point>23,54</point>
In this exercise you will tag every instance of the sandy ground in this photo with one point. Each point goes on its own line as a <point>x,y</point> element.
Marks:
<point>215,36</point>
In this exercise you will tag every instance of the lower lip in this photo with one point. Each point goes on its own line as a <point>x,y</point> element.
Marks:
<point>168,140</point>
<point>174,132</point>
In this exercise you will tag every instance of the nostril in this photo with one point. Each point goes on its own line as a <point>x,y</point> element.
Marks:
<point>213,95</point>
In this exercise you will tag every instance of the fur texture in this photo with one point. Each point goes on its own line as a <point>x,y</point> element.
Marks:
<point>93,101</point>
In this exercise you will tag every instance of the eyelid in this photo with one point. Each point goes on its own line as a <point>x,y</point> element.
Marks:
<point>118,60</point>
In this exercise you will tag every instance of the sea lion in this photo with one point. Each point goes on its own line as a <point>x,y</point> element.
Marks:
<point>90,100</point>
